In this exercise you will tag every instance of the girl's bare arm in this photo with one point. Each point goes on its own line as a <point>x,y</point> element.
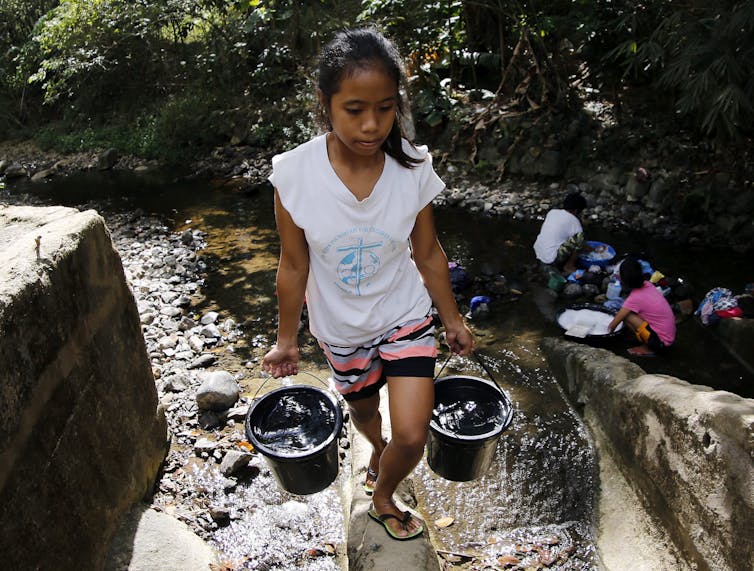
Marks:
<point>432,264</point>
<point>619,317</point>
<point>293,270</point>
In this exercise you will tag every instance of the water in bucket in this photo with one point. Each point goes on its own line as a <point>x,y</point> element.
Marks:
<point>296,429</point>
<point>470,417</point>
<point>297,422</point>
<point>467,420</point>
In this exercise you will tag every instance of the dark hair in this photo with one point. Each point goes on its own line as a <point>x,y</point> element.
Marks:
<point>631,273</point>
<point>364,48</point>
<point>574,201</point>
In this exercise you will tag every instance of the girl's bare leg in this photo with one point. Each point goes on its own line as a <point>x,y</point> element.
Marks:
<point>366,417</point>
<point>634,322</point>
<point>411,403</point>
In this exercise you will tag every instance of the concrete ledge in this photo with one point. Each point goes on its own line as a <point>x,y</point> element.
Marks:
<point>686,449</point>
<point>369,546</point>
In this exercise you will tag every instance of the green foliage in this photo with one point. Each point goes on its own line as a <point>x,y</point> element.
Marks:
<point>17,20</point>
<point>179,65</point>
<point>699,53</point>
<point>181,129</point>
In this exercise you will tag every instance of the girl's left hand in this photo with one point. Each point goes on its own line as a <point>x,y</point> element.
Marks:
<point>460,339</point>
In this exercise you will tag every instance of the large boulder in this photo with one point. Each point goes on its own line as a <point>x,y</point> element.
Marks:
<point>82,436</point>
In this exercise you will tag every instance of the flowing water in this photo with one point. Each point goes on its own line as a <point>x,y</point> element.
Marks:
<point>536,500</point>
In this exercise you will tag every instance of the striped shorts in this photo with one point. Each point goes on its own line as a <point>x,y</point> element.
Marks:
<point>407,350</point>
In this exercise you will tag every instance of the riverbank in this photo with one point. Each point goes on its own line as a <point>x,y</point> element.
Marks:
<point>705,208</point>
<point>233,510</point>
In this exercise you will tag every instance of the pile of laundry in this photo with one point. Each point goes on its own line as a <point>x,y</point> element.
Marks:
<point>721,303</point>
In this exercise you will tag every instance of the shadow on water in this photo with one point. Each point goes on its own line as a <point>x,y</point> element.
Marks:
<point>242,256</point>
<point>485,244</point>
<point>535,501</point>
<point>537,498</point>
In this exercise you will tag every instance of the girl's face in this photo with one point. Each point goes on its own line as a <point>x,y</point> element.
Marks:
<point>363,110</point>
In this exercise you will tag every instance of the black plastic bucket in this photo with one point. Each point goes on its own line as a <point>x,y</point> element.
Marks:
<point>296,429</point>
<point>468,418</point>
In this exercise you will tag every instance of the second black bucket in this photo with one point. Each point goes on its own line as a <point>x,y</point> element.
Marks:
<point>296,429</point>
<point>469,416</point>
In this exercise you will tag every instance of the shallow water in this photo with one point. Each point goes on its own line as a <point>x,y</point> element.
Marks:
<point>535,501</point>
<point>242,254</point>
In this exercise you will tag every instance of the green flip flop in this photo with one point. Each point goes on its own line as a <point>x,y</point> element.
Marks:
<point>369,488</point>
<point>382,519</point>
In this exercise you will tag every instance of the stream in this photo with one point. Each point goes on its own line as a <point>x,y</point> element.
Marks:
<point>536,501</point>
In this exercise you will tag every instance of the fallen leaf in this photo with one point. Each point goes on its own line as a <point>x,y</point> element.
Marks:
<point>246,446</point>
<point>444,521</point>
<point>546,557</point>
<point>314,552</point>
<point>508,560</point>
<point>492,540</point>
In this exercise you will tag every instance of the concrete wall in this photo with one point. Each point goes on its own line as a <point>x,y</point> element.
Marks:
<point>81,434</point>
<point>688,450</point>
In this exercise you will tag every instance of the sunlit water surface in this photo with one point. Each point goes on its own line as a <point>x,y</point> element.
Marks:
<point>536,500</point>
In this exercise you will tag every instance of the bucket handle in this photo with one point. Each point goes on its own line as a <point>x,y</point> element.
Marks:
<point>323,383</point>
<point>479,360</point>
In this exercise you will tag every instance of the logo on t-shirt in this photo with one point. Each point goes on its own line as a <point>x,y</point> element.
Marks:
<point>357,256</point>
<point>360,263</point>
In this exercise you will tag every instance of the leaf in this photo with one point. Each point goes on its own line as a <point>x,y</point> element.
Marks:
<point>248,446</point>
<point>444,521</point>
<point>508,560</point>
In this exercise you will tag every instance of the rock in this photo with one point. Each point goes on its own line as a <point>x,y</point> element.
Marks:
<point>657,192</point>
<point>204,446</point>
<point>43,175</point>
<point>15,171</point>
<point>234,461</point>
<point>636,189</point>
<point>149,539</point>
<point>107,159</point>
<point>196,343</point>
<point>209,318</point>
<point>572,291</point>
<point>204,361</point>
<point>218,391</point>
<point>187,237</point>
<point>211,332</point>
<point>175,383</point>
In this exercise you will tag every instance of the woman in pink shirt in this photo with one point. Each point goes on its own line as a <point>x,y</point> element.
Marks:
<point>646,312</point>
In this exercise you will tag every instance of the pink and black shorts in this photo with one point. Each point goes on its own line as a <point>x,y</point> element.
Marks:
<point>407,350</point>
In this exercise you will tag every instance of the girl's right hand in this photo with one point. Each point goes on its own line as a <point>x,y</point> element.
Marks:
<point>281,361</point>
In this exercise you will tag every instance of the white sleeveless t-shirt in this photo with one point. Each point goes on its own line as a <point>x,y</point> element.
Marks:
<point>362,280</point>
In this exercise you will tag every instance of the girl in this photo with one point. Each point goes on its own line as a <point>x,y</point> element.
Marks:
<point>357,236</point>
<point>646,312</point>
